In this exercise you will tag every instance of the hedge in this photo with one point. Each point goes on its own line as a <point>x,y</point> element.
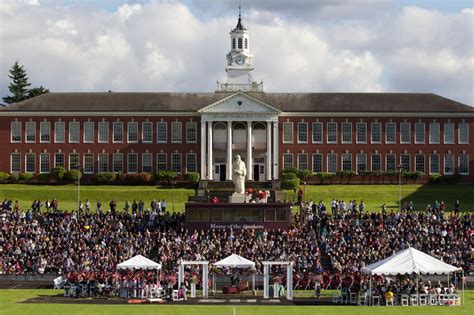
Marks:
<point>44,177</point>
<point>106,177</point>
<point>4,177</point>
<point>73,175</point>
<point>192,177</point>
<point>58,172</point>
<point>290,183</point>
<point>26,177</point>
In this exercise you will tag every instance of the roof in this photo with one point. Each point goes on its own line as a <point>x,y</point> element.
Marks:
<point>286,102</point>
<point>139,262</point>
<point>235,261</point>
<point>409,261</point>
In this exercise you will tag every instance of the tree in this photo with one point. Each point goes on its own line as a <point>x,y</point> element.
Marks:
<point>19,85</point>
<point>37,91</point>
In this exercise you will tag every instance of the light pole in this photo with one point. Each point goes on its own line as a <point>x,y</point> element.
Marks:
<point>400,168</point>
<point>78,167</point>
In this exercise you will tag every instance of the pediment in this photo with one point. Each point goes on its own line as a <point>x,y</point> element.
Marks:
<point>239,102</point>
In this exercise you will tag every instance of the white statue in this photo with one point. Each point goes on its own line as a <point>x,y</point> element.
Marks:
<point>239,171</point>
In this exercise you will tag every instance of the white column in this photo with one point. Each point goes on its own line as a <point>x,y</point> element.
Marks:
<point>205,281</point>
<point>203,149</point>
<point>229,151</point>
<point>210,166</point>
<point>275,150</point>
<point>249,151</point>
<point>268,167</point>
<point>289,281</point>
<point>266,280</point>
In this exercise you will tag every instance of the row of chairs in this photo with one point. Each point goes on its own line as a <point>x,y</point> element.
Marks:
<point>404,300</point>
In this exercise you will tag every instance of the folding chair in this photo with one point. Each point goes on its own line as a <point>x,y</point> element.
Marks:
<point>336,298</point>
<point>174,296</point>
<point>414,299</point>
<point>362,299</point>
<point>404,300</point>
<point>67,290</point>
<point>433,299</point>
<point>442,299</point>
<point>353,298</point>
<point>423,299</point>
<point>58,283</point>
<point>376,300</point>
<point>389,302</point>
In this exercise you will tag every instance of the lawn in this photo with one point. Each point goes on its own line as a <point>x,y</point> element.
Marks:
<point>9,305</point>
<point>67,195</point>
<point>376,195</point>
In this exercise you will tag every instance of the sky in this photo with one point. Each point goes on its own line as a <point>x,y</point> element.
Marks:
<point>298,46</point>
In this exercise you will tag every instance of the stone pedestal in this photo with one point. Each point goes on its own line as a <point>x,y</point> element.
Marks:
<point>237,198</point>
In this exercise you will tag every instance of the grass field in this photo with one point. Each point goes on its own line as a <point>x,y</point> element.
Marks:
<point>9,304</point>
<point>372,195</point>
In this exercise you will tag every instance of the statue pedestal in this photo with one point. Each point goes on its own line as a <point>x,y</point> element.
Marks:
<point>237,198</point>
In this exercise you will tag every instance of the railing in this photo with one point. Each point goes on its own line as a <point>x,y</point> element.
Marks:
<point>232,87</point>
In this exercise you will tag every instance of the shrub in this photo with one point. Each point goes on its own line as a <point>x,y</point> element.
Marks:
<point>325,176</point>
<point>435,178</point>
<point>73,175</point>
<point>345,173</point>
<point>192,177</point>
<point>58,172</point>
<point>288,175</point>
<point>44,177</point>
<point>14,178</point>
<point>289,170</point>
<point>136,178</point>
<point>106,177</point>
<point>304,174</point>
<point>290,183</point>
<point>26,177</point>
<point>167,176</point>
<point>4,177</point>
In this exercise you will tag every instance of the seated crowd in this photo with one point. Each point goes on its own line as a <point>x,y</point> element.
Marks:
<point>87,245</point>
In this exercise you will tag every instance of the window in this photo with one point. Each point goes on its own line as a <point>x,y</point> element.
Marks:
<point>346,132</point>
<point>176,162</point>
<point>176,132</point>
<point>191,162</point>
<point>317,132</point>
<point>132,163</point>
<point>420,163</point>
<point>147,132</point>
<point>448,164</point>
<point>103,132</point>
<point>239,41</point>
<point>191,128</point>
<point>390,133</point>
<point>434,163</point>
<point>449,133</point>
<point>420,133</point>
<point>287,160</point>
<point>15,163</point>
<point>103,165</point>
<point>117,162</point>
<point>246,41</point>
<point>405,132</point>
<point>463,164</point>
<point>434,133</point>
<point>161,163</point>
<point>302,161</point>
<point>59,132</point>
<point>161,134</point>
<point>361,132</point>
<point>30,132</point>
<point>405,162</point>
<point>88,166</point>
<point>30,162</point>
<point>332,163</point>
<point>390,162</point>
<point>302,132</point>
<point>74,132</point>
<point>347,162</point>
<point>15,133</point>
<point>376,162</point>
<point>132,134</point>
<point>88,132</point>
<point>463,133</point>
<point>376,132</point>
<point>45,132</point>
<point>59,160</point>
<point>317,163</point>
<point>73,160</point>
<point>233,43</point>
<point>44,163</point>
<point>361,160</point>
<point>118,132</point>
<point>147,163</point>
<point>287,132</point>
<point>332,132</point>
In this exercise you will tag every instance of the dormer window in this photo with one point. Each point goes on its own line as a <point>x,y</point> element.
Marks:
<point>240,42</point>
<point>246,43</point>
<point>233,43</point>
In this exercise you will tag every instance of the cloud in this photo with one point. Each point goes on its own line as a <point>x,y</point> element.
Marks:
<point>360,45</point>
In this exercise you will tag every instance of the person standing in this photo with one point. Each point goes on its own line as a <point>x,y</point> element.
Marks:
<point>99,205</point>
<point>163,206</point>
<point>457,207</point>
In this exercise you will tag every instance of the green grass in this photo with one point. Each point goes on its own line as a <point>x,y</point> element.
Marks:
<point>67,195</point>
<point>376,195</point>
<point>9,304</point>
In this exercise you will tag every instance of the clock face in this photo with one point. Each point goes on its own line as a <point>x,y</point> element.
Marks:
<point>240,60</point>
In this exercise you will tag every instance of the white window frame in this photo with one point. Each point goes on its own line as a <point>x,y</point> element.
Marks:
<point>372,162</point>
<point>409,161</point>
<point>128,163</point>
<point>70,164</point>
<point>91,126</point>
<point>77,131</point>
<point>188,163</point>
<point>286,125</point>
<point>423,126</point>
<point>135,124</point>
<point>101,130</point>
<point>439,164</point>
<point>467,163</point>
<point>158,168</point>
<point>394,162</point>
<point>84,165</point>
<point>460,134</point>
<point>358,156</point>
<point>45,128</point>
<point>416,162</point>
<point>332,123</point>
<point>120,124</point>
<point>358,141</point>
<point>344,132</point>
<point>11,162</point>
<point>59,134</point>
<point>144,156</point>
<point>114,162</point>
<point>28,126</point>
<point>190,125</point>
<point>446,126</point>
<point>292,160</point>
<point>302,132</point>
<point>56,159</point>
<point>26,162</point>
<point>298,162</point>
<point>99,155</point>
<point>42,164</point>
<point>320,124</point>
<point>158,124</point>
<point>15,128</point>
<point>405,133</point>
<point>342,161</point>
<point>431,131</point>
<point>394,141</point>
<point>176,134</point>
<point>452,163</point>
<point>328,164</point>
<point>372,132</point>
<point>321,161</point>
<point>144,134</point>
<point>180,163</point>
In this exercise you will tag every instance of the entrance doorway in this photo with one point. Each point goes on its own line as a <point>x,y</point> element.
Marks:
<point>220,172</point>
<point>258,172</point>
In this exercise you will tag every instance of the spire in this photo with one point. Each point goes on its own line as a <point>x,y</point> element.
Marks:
<point>240,26</point>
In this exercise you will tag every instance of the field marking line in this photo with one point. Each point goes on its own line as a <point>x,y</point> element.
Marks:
<point>235,312</point>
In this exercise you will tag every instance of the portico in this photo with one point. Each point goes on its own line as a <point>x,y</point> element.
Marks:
<point>239,124</point>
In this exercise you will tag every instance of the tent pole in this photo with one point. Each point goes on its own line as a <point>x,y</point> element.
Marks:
<point>370,289</point>
<point>462,286</point>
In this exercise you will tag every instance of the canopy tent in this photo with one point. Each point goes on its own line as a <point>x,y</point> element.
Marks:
<point>139,262</point>
<point>409,261</point>
<point>236,261</point>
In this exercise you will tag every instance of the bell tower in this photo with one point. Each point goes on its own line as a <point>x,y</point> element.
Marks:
<point>239,62</point>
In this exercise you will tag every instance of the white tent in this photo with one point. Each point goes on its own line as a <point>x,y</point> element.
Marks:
<point>139,262</point>
<point>409,261</point>
<point>235,261</point>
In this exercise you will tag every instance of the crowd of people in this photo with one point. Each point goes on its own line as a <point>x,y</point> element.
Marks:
<point>91,243</point>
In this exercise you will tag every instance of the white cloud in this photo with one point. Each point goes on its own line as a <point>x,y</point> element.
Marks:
<point>166,46</point>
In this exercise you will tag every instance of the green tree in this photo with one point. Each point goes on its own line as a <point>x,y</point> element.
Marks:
<point>37,91</point>
<point>19,85</point>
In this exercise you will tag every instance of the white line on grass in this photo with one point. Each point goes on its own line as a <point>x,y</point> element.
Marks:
<point>235,312</point>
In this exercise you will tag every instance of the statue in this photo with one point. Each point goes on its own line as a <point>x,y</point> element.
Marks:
<point>239,171</point>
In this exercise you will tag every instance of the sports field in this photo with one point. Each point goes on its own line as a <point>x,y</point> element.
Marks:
<point>10,304</point>
<point>372,195</point>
